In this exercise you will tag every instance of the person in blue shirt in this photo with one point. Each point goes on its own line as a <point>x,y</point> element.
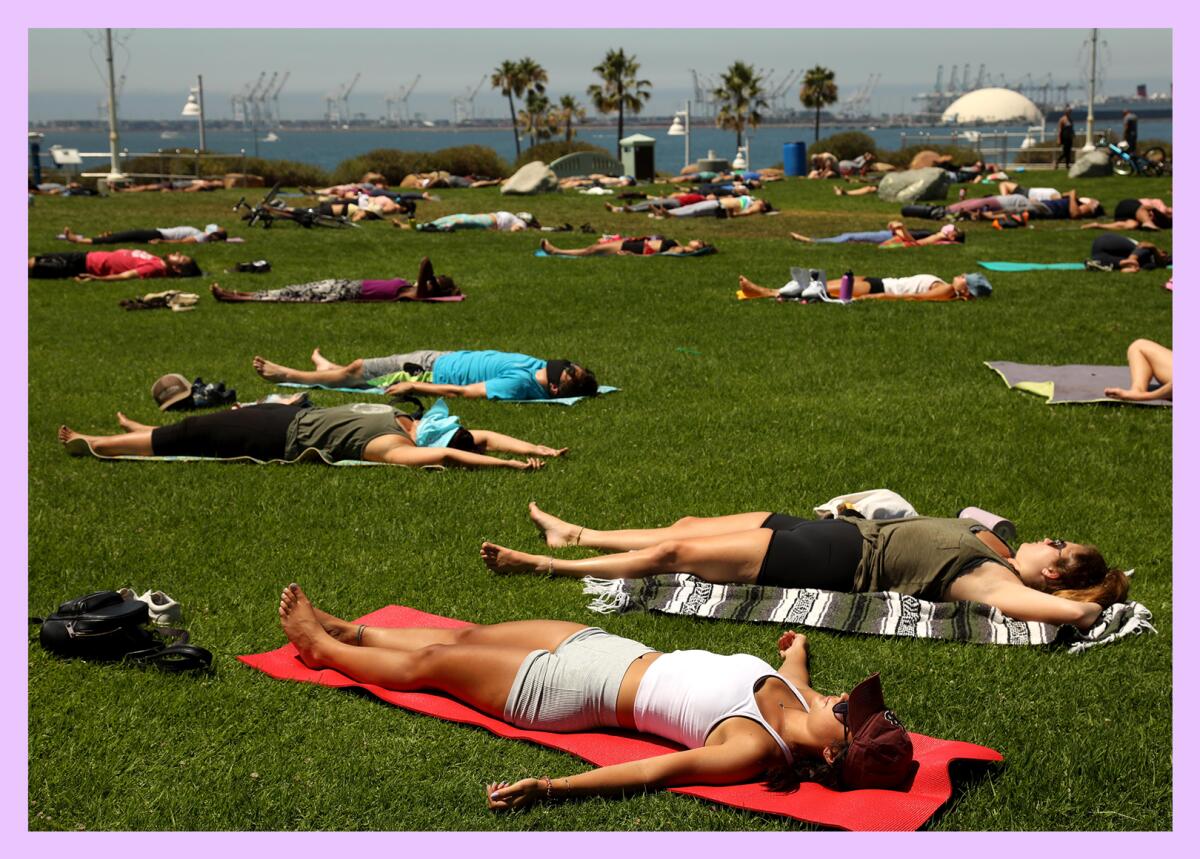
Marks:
<point>465,373</point>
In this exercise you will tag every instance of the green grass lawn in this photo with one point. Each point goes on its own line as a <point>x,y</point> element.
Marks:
<point>725,407</point>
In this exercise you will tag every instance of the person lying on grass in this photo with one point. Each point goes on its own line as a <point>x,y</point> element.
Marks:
<point>369,189</point>
<point>364,208</point>
<point>473,374</point>
<point>428,285</point>
<point>1055,204</point>
<point>374,432</point>
<point>596,180</point>
<point>1111,252</point>
<point>722,207</point>
<point>504,222</point>
<point>672,201</point>
<point>740,720</point>
<point>1147,213</point>
<point>895,236</point>
<point>917,287</point>
<point>941,560</point>
<point>1148,362</point>
<point>111,265</point>
<point>635,246</point>
<point>185,185</point>
<point>183,235</point>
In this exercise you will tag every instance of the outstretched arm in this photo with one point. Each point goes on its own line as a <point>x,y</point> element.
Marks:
<point>793,650</point>
<point>132,274</point>
<point>1024,603</point>
<point>418,456</point>
<point>728,763</point>
<point>939,291</point>
<point>495,441</point>
<point>1130,224</point>
<point>476,391</point>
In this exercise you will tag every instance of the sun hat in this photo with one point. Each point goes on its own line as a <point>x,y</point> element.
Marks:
<point>881,752</point>
<point>978,285</point>
<point>170,390</point>
<point>211,228</point>
<point>437,426</point>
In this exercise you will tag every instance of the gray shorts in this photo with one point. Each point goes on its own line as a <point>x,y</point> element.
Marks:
<point>373,368</point>
<point>575,687</point>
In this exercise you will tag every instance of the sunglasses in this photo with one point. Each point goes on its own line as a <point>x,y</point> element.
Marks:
<point>842,711</point>
<point>1058,544</point>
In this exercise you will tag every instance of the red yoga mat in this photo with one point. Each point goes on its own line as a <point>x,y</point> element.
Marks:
<point>859,810</point>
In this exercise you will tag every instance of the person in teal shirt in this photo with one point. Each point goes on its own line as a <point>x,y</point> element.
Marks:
<point>475,374</point>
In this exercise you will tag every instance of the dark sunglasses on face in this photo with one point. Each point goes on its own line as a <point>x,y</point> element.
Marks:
<point>842,710</point>
<point>1058,544</point>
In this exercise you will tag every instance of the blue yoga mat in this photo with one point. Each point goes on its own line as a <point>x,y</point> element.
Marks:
<point>558,401</point>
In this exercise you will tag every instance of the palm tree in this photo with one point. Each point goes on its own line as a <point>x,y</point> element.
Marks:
<point>621,90</point>
<point>536,119</point>
<point>818,91</point>
<point>513,78</point>
<point>569,109</point>
<point>741,97</point>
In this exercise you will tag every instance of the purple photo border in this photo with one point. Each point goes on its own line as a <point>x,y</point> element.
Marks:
<point>538,14</point>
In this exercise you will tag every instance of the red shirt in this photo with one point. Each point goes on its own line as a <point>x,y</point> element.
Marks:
<point>101,263</point>
<point>689,199</point>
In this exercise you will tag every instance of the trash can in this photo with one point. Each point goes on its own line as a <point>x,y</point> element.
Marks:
<point>637,156</point>
<point>795,158</point>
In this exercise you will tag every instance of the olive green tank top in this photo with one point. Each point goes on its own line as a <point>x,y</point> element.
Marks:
<point>919,556</point>
<point>341,432</point>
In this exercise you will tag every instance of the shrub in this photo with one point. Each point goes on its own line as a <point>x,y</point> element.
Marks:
<point>290,173</point>
<point>395,164</point>
<point>553,150</point>
<point>846,144</point>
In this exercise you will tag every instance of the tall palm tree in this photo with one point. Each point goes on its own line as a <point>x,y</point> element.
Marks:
<point>533,76</point>
<point>569,109</point>
<point>621,89</point>
<point>818,91</point>
<point>741,98</point>
<point>537,120</point>
<point>506,77</point>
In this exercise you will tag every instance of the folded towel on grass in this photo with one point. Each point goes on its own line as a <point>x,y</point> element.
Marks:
<point>696,253</point>
<point>1068,383</point>
<point>879,613</point>
<point>80,447</point>
<point>559,401</point>
<point>1032,266</point>
<point>856,810</point>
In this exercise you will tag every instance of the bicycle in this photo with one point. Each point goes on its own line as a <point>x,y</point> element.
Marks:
<point>267,212</point>
<point>1152,162</point>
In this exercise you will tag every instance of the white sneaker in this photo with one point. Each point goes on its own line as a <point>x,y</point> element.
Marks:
<point>814,290</point>
<point>164,611</point>
<point>791,289</point>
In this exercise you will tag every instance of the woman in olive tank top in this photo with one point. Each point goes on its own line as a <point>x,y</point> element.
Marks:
<point>1052,581</point>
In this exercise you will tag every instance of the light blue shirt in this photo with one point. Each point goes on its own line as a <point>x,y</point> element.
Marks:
<point>506,375</point>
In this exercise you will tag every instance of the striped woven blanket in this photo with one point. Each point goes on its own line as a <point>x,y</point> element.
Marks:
<point>879,613</point>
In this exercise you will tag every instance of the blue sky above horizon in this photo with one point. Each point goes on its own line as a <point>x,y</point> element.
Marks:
<point>66,79</point>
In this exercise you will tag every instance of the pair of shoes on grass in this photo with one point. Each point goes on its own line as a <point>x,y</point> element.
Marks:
<point>164,611</point>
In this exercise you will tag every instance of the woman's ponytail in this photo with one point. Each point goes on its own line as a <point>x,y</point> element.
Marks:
<point>1085,577</point>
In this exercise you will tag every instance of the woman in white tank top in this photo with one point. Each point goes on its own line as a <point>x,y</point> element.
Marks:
<point>740,719</point>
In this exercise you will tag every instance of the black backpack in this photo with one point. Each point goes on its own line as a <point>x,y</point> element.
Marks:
<point>104,627</point>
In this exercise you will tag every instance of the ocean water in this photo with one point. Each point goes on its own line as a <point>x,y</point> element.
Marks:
<point>328,148</point>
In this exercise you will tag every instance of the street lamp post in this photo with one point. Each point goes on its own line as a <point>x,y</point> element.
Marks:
<point>195,106</point>
<point>114,158</point>
<point>685,129</point>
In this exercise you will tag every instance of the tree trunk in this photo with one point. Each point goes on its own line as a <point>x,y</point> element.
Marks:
<point>818,134</point>
<point>512,111</point>
<point>620,118</point>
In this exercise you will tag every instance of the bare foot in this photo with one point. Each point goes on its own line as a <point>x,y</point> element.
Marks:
<point>320,362</point>
<point>71,236</point>
<point>800,238</point>
<point>501,560</point>
<point>556,532</point>
<point>400,224</point>
<point>66,434</point>
<point>343,630</point>
<point>614,208</point>
<point>226,294</point>
<point>545,245</point>
<point>1117,393</point>
<point>269,370</point>
<point>837,189</point>
<point>301,626</point>
<point>132,425</point>
<point>753,290</point>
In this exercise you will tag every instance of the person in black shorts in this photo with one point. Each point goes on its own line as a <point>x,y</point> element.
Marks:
<point>1066,139</point>
<point>1113,252</point>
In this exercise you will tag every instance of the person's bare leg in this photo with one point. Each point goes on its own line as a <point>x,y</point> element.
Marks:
<point>800,238</point>
<point>748,287</point>
<point>723,558</point>
<point>131,425</point>
<point>75,237</point>
<point>126,444</point>
<point>558,532</point>
<point>1147,361</point>
<point>350,374</point>
<point>229,294</point>
<point>859,192</point>
<point>320,362</point>
<point>479,675</point>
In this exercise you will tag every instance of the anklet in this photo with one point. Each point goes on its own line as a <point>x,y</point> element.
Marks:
<point>579,536</point>
<point>358,635</point>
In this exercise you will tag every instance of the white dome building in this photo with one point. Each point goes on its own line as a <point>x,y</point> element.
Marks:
<point>992,105</point>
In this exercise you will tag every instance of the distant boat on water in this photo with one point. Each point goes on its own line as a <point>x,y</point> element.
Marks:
<point>169,135</point>
<point>270,138</point>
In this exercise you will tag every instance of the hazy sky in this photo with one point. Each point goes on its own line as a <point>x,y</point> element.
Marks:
<point>65,66</point>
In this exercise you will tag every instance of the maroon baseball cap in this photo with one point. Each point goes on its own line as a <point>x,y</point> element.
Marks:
<point>881,752</point>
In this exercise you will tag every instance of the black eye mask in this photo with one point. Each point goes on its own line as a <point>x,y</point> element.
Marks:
<point>555,369</point>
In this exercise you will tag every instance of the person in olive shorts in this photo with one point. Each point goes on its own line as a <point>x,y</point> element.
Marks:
<point>935,559</point>
<point>374,432</point>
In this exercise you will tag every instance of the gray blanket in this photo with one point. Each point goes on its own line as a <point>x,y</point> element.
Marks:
<point>1068,383</point>
<point>880,613</point>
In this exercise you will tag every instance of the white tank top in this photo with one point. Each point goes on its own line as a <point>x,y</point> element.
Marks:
<point>686,693</point>
<point>506,220</point>
<point>914,285</point>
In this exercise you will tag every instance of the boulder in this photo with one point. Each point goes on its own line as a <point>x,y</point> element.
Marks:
<point>244,180</point>
<point>1089,164</point>
<point>534,178</point>
<point>908,186</point>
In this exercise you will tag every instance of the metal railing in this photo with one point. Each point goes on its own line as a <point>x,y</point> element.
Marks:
<point>994,147</point>
<point>164,156</point>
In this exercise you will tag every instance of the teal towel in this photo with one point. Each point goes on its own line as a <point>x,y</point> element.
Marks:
<point>1032,266</point>
<point>558,401</point>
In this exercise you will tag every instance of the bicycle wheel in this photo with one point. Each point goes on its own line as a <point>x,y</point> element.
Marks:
<point>335,221</point>
<point>1122,166</point>
<point>1156,160</point>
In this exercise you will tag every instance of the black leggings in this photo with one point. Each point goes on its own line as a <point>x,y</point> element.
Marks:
<point>135,237</point>
<point>811,553</point>
<point>259,431</point>
<point>68,264</point>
